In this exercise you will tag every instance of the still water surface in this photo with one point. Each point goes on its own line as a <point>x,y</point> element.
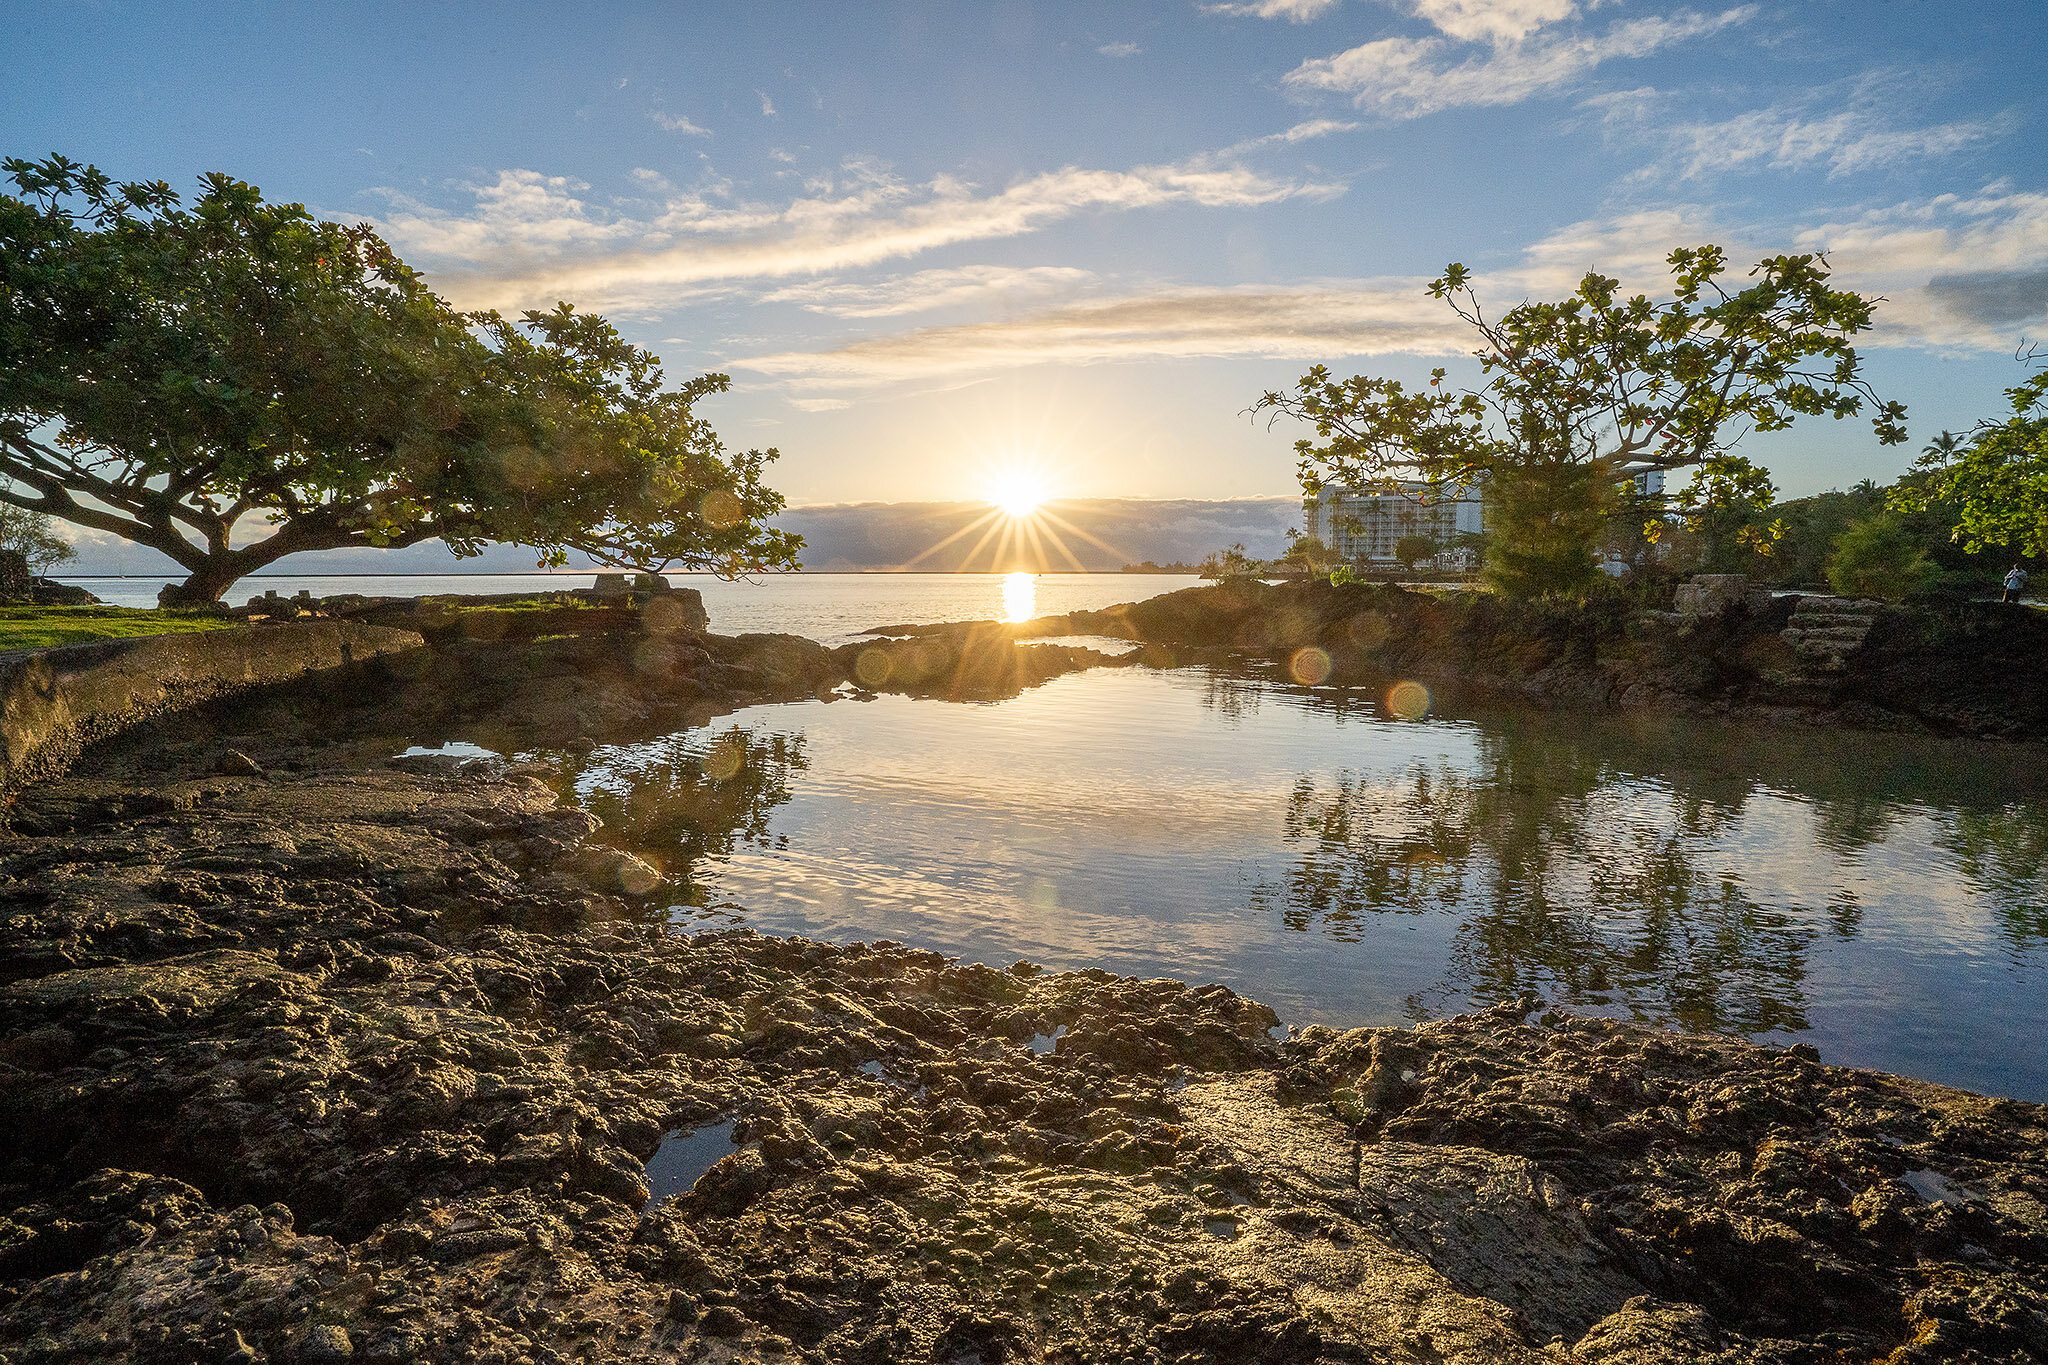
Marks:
<point>829,608</point>
<point>1881,898</point>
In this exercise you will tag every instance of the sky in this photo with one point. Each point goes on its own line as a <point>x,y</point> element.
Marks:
<point>941,247</point>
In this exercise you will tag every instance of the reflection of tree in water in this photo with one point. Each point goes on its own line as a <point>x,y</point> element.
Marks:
<point>1571,885</point>
<point>2004,853</point>
<point>682,799</point>
<point>1229,696</point>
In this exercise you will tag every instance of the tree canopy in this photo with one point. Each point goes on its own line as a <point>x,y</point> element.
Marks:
<point>183,376</point>
<point>1998,479</point>
<point>1580,395</point>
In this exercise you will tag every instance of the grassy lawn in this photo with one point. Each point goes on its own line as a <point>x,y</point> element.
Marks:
<point>40,627</point>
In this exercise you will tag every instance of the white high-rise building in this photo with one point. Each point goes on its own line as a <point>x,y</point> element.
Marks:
<point>1367,526</point>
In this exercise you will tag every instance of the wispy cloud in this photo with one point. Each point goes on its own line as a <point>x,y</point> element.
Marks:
<point>767,105</point>
<point>1294,11</point>
<point>820,404</point>
<point>1411,77</point>
<point>929,290</point>
<point>563,247</point>
<point>676,123</point>
<point>1362,319</point>
<point>1119,49</point>
<point>1969,272</point>
<point>1842,131</point>
<point>1300,132</point>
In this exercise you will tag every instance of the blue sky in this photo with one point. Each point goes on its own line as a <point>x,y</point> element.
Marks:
<point>934,243</point>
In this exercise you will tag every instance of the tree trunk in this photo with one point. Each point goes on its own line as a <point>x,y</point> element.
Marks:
<point>206,583</point>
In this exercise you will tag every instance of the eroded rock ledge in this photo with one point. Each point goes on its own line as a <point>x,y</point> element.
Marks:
<point>1975,669</point>
<point>366,1064</point>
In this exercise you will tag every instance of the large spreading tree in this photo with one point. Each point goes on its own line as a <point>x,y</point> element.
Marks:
<point>1581,397</point>
<point>233,381</point>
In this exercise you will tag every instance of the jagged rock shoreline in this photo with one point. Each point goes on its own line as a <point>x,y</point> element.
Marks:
<point>1976,669</point>
<point>307,1054</point>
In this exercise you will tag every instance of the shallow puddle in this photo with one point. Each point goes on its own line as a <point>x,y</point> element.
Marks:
<point>1936,1188</point>
<point>1043,1043</point>
<point>683,1156</point>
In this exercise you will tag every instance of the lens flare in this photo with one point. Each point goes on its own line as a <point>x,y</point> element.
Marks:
<point>721,509</point>
<point>726,759</point>
<point>1408,700</point>
<point>1309,666</point>
<point>871,666</point>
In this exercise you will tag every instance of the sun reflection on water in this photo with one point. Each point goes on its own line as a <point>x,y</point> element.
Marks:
<point>1020,596</point>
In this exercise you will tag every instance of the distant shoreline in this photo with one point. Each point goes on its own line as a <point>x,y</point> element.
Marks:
<point>673,573</point>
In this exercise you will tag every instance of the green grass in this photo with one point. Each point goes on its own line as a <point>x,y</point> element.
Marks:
<point>42,627</point>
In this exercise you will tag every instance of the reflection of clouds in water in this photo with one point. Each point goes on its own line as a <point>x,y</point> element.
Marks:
<point>1297,845</point>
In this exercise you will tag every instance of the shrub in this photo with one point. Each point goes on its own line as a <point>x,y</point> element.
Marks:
<point>1876,557</point>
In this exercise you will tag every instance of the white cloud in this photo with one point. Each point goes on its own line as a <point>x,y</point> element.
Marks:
<point>1119,49</point>
<point>767,105</point>
<point>521,215</point>
<point>1294,11</point>
<point>1495,21</point>
<point>561,247</point>
<point>677,124</point>
<point>1957,270</point>
<point>1411,77</point>
<point>928,290</point>
<point>820,404</point>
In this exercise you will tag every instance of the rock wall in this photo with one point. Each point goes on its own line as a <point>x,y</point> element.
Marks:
<point>54,700</point>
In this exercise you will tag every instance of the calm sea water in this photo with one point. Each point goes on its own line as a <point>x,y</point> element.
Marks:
<point>830,608</point>
<point>1881,898</point>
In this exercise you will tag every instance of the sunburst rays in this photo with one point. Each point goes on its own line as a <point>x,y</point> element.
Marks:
<point>1011,541</point>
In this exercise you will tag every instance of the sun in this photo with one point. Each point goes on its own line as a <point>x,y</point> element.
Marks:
<point>1018,494</point>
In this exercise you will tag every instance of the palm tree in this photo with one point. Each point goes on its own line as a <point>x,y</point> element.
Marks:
<point>1942,448</point>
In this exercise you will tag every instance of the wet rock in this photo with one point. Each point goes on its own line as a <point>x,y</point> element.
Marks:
<point>354,1064</point>
<point>235,763</point>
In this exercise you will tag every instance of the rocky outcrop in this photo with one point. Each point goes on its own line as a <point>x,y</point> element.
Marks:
<point>1979,670</point>
<point>977,661</point>
<point>379,1064</point>
<point>54,700</point>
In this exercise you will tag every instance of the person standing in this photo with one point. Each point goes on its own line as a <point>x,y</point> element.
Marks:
<point>2015,584</point>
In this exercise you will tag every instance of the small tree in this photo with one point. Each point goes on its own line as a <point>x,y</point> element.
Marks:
<point>1728,507</point>
<point>1412,549</point>
<point>1306,554</point>
<point>1230,566</point>
<point>1588,392</point>
<point>1877,557</point>
<point>29,535</point>
<point>235,363</point>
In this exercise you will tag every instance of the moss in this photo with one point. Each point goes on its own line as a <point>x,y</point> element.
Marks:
<point>28,627</point>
